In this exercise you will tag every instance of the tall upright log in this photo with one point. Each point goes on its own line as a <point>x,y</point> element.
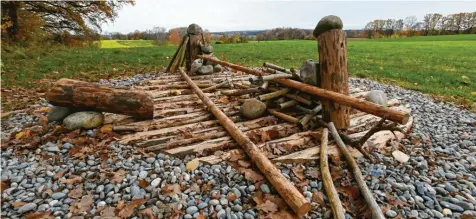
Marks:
<point>288,192</point>
<point>333,68</point>
<point>193,45</point>
<point>362,105</point>
<point>89,96</point>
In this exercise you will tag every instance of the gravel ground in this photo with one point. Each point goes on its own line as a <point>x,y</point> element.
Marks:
<point>438,181</point>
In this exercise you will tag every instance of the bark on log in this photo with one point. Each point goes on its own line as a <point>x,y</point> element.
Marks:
<point>89,96</point>
<point>283,116</point>
<point>288,192</point>
<point>336,206</point>
<point>193,49</point>
<point>276,67</point>
<point>334,76</point>
<point>362,105</point>
<point>182,44</point>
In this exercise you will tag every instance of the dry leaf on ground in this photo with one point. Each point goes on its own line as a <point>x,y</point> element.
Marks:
<point>83,205</point>
<point>192,165</point>
<point>201,215</point>
<point>318,197</point>
<point>118,176</point>
<point>129,208</point>
<point>77,192</point>
<point>39,215</point>
<point>109,213</point>
<point>195,188</point>
<point>72,180</point>
<point>268,206</point>
<point>314,173</point>
<point>298,172</point>
<point>281,215</point>
<point>18,204</point>
<point>171,189</point>
<point>146,213</point>
<point>4,185</point>
<point>143,183</point>
<point>244,163</point>
<point>252,175</point>
<point>224,100</point>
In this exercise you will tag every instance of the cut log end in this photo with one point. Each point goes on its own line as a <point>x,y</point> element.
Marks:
<point>304,209</point>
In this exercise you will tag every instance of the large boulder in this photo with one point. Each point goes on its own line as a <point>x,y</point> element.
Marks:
<point>85,119</point>
<point>252,109</point>
<point>310,73</point>
<point>58,113</point>
<point>327,23</point>
<point>206,49</point>
<point>377,96</point>
<point>205,70</point>
<point>194,29</point>
<point>195,65</point>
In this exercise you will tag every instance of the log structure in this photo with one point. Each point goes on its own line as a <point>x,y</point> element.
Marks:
<point>288,192</point>
<point>362,105</point>
<point>333,68</point>
<point>89,96</point>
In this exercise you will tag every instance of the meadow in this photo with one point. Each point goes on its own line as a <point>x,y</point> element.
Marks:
<point>443,66</point>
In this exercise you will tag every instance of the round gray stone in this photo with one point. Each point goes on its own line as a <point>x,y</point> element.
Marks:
<point>252,109</point>
<point>327,23</point>
<point>86,120</point>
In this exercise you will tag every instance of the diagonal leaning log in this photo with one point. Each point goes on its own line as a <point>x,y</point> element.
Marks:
<point>365,106</point>
<point>288,192</point>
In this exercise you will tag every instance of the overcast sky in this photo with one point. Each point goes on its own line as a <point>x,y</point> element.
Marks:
<point>227,15</point>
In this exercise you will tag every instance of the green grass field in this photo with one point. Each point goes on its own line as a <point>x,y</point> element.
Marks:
<point>443,66</point>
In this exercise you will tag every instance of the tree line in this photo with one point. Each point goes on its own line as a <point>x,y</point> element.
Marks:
<point>432,24</point>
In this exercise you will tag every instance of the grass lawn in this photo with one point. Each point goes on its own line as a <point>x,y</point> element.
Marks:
<point>440,65</point>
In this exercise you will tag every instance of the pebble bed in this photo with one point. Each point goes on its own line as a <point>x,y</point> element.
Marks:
<point>438,181</point>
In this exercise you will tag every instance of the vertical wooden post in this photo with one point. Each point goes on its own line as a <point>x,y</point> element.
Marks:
<point>333,68</point>
<point>193,46</point>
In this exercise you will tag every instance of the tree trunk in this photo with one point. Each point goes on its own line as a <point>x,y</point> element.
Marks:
<point>334,76</point>
<point>10,13</point>
<point>89,96</point>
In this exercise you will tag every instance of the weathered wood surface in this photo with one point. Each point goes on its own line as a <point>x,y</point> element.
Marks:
<point>334,76</point>
<point>193,49</point>
<point>90,96</point>
<point>288,192</point>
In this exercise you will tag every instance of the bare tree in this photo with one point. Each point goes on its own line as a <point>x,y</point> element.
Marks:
<point>411,24</point>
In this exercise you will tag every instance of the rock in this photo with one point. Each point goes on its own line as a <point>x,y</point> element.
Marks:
<point>310,73</point>
<point>378,97</point>
<point>101,204</point>
<point>451,206</point>
<point>196,65</point>
<point>58,195</point>
<point>252,109</point>
<point>400,156</point>
<point>217,68</point>
<point>224,201</point>
<point>205,70</point>
<point>265,188</point>
<point>194,29</point>
<point>391,213</point>
<point>214,202</point>
<point>327,23</point>
<point>135,190</point>
<point>202,205</point>
<point>447,212</point>
<point>58,113</point>
<point>26,207</point>
<point>206,49</point>
<point>237,192</point>
<point>86,120</point>
<point>192,210</point>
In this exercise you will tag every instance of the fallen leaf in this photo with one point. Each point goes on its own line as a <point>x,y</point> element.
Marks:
<point>298,172</point>
<point>252,175</point>
<point>109,213</point>
<point>276,200</point>
<point>201,215</point>
<point>268,206</point>
<point>130,207</point>
<point>4,185</point>
<point>84,205</point>
<point>23,134</point>
<point>195,188</point>
<point>106,128</point>
<point>171,189</point>
<point>314,173</point>
<point>39,215</point>
<point>146,213</point>
<point>318,197</point>
<point>336,173</point>
<point>224,100</point>
<point>120,205</point>
<point>350,191</point>
<point>231,196</point>
<point>244,163</point>
<point>192,165</point>
<point>118,176</point>
<point>77,192</point>
<point>281,215</point>
<point>60,173</point>
<point>207,186</point>
<point>400,156</point>
<point>18,204</point>
<point>72,180</point>
<point>143,183</point>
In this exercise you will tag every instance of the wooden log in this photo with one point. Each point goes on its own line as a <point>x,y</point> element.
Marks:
<point>265,85</point>
<point>293,96</point>
<point>90,96</point>
<point>240,92</point>
<point>276,67</point>
<point>336,206</point>
<point>333,70</point>
<point>193,49</point>
<point>211,88</point>
<point>283,116</point>
<point>273,94</point>
<point>305,120</point>
<point>288,192</point>
<point>182,44</point>
<point>354,167</point>
<point>287,104</point>
<point>362,105</point>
